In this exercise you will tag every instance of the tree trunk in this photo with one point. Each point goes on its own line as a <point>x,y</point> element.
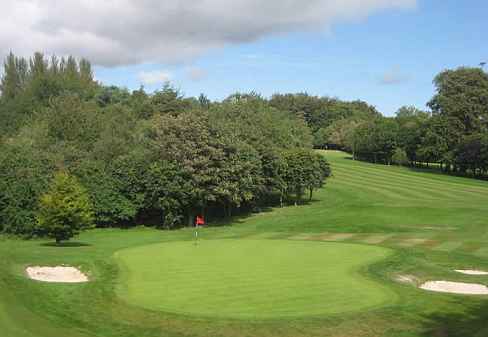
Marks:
<point>190,218</point>
<point>310,195</point>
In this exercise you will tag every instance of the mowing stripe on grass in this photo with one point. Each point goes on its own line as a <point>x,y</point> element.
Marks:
<point>377,239</point>
<point>448,246</point>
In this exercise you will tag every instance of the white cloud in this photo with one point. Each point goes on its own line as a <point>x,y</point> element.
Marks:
<point>117,32</point>
<point>394,76</point>
<point>153,77</point>
<point>197,74</point>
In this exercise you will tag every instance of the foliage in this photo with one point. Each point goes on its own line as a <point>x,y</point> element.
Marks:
<point>400,157</point>
<point>376,140</point>
<point>320,112</point>
<point>462,94</point>
<point>304,170</point>
<point>153,158</point>
<point>109,204</point>
<point>25,173</point>
<point>64,210</point>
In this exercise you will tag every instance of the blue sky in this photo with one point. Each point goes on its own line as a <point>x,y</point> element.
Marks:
<point>388,59</point>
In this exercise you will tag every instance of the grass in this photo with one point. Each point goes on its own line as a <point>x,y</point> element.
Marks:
<point>431,224</point>
<point>258,279</point>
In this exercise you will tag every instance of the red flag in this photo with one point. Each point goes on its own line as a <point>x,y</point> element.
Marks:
<point>200,220</point>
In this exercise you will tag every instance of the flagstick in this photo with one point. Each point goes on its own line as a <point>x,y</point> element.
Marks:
<point>196,234</point>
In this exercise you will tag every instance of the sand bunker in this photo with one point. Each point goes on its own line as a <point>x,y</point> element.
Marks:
<point>471,272</point>
<point>410,279</point>
<point>56,274</point>
<point>455,287</point>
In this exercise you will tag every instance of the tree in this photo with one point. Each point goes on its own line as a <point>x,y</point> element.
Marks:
<point>462,94</point>
<point>187,139</point>
<point>169,191</point>
<point>320,112</point>
<point>411,122</point>
<point>10,85</point>
<point>400,157</point>
<point>472,154</point>
<point>25,173</point>
<point>65,209</point>
<point>438,141</point>
<point>319,173</point>
<point>169,100</point>
<point>305,169</point>
<point>376,140</point>
<point>339,133</point>
<point>109,204</point>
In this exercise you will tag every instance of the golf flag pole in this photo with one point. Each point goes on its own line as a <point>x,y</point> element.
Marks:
<point>199,221</point>
<point>196,232</point>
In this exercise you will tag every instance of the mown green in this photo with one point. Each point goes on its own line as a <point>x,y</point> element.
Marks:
<point>251,278</point>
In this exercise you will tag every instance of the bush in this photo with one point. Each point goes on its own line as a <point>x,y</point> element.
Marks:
<point>400,157</point>
<point>65,209</point>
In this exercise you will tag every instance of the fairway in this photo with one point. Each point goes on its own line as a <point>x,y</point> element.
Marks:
<point>258,279</point>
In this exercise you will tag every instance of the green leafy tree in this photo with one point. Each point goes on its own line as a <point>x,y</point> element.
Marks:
<point>462,95</point>
<point>339,133</point>
<point>65,209</point>
<point>321,112</point>
<point>305,169</point>
<point>376,140</point>
<point>10,85</point>
<point>400,157</point>
<point>472,154</point>
<point>25,172</point>
<point>187,139</point>
<point>411,122</point>
<point>320,172</point>
<point>169,190</point>
<point>109,204</point>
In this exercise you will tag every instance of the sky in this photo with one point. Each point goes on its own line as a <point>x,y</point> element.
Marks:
<point>385,52</point>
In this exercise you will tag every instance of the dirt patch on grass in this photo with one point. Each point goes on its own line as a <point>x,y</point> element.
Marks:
<point>59,274</point>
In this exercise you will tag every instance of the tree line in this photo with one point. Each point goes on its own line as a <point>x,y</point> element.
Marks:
<point>121,157</point>
<point>161,158</point>
<point>452,136</point>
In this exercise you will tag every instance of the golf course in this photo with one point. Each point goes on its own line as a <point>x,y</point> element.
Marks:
<point>348,263</point>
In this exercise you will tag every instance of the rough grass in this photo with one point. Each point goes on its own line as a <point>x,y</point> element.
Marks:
<point>432,223</point>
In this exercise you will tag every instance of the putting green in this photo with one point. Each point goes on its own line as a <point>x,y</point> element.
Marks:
<point>257,279</point>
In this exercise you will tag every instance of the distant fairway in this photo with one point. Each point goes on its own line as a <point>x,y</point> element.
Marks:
<point>251,278</point>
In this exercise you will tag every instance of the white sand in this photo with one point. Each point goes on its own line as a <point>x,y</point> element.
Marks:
<point>471,272</point>
<point>410,279</point>
<point>455,287</point>
<point>56,274</point>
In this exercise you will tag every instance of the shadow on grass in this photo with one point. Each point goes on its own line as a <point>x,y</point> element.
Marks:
<point>239,218</point>
<point>65,244</point>
<point>472,322</point>
<point>438,171</point>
